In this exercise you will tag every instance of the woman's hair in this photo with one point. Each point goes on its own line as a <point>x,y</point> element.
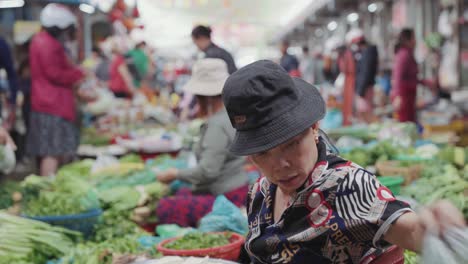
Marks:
<point>405,35</point>
<point>201,31</point>
<point>205,103</point>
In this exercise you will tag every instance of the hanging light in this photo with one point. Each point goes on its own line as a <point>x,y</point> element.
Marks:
<point>353,17</point>
<point>332,25</point>
<point>11,3</point>
<point>372,8</point>
<point>89,9</point>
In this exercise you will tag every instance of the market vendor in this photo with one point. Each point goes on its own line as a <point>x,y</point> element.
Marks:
<point>53,135</point>
<point>218,171</point>
<point>312,206</point>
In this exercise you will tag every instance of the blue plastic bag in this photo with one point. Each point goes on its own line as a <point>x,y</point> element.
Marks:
<point>225,216</point>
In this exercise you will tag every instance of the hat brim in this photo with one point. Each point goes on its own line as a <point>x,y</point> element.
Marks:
<point>309,110</point>
<point>211,88</point>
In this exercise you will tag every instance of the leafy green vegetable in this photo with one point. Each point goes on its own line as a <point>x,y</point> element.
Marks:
<point>199,240</point>
<point>411,257</point>
<point>28,241</point>
<point>103,252</point>
<point>132,158</point>
<point>64,196</point>
<point>7,189</point>
<point>114,224</point>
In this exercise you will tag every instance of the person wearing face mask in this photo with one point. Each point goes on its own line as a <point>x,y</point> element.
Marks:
<point>201,36</point>
<point>53,135</point>
<point>218,171</point>
<point>311,206</point>
<point>367,63</point>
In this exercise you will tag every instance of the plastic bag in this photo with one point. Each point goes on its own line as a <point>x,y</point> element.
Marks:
<point>171,230</point>
<point>451,248</point>
<point>225,216</point>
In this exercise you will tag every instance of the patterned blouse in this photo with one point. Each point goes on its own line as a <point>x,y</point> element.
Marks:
<point>339,215</point>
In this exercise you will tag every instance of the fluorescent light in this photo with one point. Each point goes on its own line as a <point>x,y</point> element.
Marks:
<point>299,8</point>
<point>11,3</point>
<point>372,7</point>
<point>332,25</point>
<point>87,8</point>
<point>353,17</point>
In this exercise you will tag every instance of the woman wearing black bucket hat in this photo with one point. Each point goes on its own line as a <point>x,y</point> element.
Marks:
<point>312,206</point>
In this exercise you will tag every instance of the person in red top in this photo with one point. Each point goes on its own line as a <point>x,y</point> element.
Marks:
<point>405,78</point>
<point>120,79</point>
<point>53,134</point>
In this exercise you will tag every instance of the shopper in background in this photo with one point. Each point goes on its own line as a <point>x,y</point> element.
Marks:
<point>141,62</point>
<point>311,67</point>
<point>367,63</point>
<point>53,136</point>
<point>218,171</point>
<point>6,63</point>
<point>201,36</point>
<point>102,70</point>
<point>405,77</point>
<point>312,206</point>
<point>347,65</point>
<point>289,62</point>
<point>120,79</point>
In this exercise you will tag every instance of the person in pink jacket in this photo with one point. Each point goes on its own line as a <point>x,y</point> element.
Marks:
<point>53,135</point>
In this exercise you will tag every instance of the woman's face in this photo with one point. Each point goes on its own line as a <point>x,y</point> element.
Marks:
<point>289,164</point>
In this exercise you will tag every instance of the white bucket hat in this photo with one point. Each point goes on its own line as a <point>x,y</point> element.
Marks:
<point>208,77</point>
<point>57,15</point>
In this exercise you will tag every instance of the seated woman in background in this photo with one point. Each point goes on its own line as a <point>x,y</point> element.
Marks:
<point>218,171</point>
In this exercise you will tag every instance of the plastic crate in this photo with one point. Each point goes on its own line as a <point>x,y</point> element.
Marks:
<point>393,183</point>
<point>227,252</point>
<point>83,222</point>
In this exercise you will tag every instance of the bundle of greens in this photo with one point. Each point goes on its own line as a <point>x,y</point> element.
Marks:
<point>103,252</point>
<point>28,241</point>
<point>66,195</point>
<point>440,181</point>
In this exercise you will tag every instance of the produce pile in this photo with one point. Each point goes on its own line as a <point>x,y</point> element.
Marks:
<point>127,192</point>
<point>438,181</point>
<point>198,240</point>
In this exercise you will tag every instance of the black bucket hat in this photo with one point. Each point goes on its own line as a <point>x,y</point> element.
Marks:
<point>267,107</point>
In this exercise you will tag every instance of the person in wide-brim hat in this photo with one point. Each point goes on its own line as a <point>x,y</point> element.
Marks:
<point>218,171</point>
<point>312,206</point>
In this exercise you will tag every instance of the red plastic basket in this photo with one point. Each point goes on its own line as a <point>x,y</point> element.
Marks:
<point>227,252</point>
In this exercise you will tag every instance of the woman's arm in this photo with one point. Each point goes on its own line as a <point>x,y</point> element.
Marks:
<point>409,230</point>
<point>213,156</point>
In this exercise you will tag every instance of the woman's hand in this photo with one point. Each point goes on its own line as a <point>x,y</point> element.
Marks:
<point>168,176</point>
<point>440,216</point>
<point>410,229</point>
<point>396,103</point>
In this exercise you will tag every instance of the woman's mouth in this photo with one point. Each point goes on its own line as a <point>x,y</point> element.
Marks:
<point>289,179</point>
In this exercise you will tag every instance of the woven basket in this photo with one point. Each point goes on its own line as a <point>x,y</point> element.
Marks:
<point>393,168</point>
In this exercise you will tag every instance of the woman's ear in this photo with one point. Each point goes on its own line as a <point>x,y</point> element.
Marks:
<point>316,126</point>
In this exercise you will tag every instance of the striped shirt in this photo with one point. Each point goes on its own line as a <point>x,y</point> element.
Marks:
<point>339,215</point>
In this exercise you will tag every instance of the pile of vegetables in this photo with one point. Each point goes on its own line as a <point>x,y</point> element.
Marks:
<point>28,242</point>
<point>368,156</point>
<point>90,136</point>
<point>199,240</point>
<point>440,180</point>
<point>114,224</point>
<point>7,189</point>
<point>104,252</point>
<point>66,195</point>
